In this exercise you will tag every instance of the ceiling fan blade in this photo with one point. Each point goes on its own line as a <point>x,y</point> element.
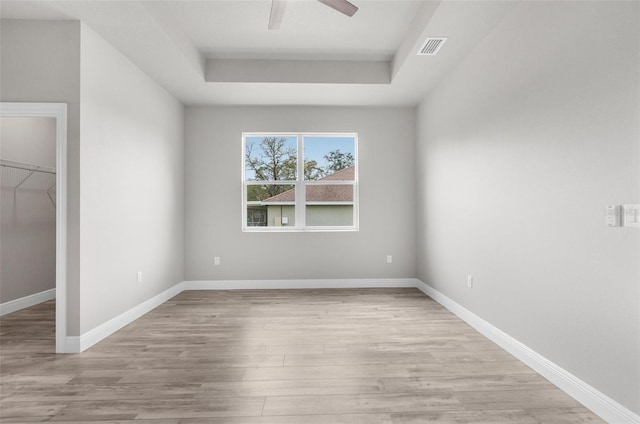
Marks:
<point>342,6</point>
<point>277,12</point>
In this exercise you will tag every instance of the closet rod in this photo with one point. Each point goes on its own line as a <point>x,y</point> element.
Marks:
<point>33,168</point>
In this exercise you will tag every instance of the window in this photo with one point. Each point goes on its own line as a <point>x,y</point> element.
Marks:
<point>298,182</point>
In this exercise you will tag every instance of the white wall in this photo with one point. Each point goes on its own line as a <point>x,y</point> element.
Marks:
<point>27,215</point>
<point>213,190</point>
<point>40,62</point>
<point>132,167</point>
<point>519,150</point>
<point>29,140</point>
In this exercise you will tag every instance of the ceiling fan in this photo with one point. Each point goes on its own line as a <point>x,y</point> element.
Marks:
<point>278,7</point>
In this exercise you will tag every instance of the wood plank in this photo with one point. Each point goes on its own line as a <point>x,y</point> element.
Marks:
<point>356,404</point>
<point>385,370</point>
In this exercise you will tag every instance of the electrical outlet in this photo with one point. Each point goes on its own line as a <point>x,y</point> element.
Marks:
<point>470,281</point>
<point>389,259</point>
<point>216,260</point>
<point>139,276</point>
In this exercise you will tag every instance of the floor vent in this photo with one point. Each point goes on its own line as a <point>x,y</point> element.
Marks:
<point>431,46</point>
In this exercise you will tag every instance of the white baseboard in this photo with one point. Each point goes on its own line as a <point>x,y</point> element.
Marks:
<point>599,403</point>
<point>299,284</point>
<point>88,339</point>
<point>27,301</point>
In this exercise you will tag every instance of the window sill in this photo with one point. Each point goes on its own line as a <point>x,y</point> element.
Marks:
<point>300,230</point>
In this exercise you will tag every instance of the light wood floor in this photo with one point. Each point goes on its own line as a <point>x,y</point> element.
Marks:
<point>279,356</point>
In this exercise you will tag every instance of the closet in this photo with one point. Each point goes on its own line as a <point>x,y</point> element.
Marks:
<point>27,211</point>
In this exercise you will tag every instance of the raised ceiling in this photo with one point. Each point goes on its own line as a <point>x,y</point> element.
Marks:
<point>309,29</point>
<point>221,52</point>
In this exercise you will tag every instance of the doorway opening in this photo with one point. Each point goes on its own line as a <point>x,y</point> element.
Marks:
<point>50,170</point>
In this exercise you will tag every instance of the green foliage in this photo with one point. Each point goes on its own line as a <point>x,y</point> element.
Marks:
<point>256,193</point>
<point>312,171</point>
<point>338,160</point>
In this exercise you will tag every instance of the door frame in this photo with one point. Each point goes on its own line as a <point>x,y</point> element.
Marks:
<point>59,112</point>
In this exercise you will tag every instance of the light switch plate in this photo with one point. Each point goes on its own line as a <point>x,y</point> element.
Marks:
<point>614,216</point>
<point>632,215</point>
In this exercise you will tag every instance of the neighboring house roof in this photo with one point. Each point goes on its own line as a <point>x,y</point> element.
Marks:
<point>346,174</point>
<point>323,193</point>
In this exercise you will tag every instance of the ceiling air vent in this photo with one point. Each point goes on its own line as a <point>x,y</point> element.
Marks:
<point>431,46</point>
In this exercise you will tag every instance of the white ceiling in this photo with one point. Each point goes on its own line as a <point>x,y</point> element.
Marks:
<point>179,43</point>
<point>309,28</point>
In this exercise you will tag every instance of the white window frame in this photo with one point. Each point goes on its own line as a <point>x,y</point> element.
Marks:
<point>300,186</point>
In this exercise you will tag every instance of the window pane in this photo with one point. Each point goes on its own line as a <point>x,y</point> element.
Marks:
<point>333,193</point>
<point>270,205</point>
<point>329,215</point>
<point>329,205</point>
<point>270,158</point>
<point>256,216</point>
<point>329,158</point>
